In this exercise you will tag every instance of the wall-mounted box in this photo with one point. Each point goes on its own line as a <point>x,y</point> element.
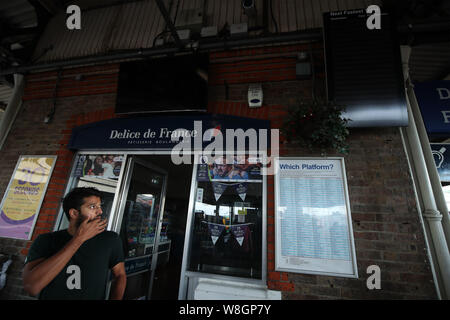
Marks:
<point>210,31</point>
<point>238,29</point>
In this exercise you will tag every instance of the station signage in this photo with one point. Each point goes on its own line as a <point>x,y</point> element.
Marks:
<point>158,132</point>
<point>433,98</point>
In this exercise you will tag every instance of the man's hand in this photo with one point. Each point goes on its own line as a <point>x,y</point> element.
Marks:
<point>90,228</point>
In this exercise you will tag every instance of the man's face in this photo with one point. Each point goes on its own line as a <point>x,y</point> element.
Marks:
<point>90,209</point>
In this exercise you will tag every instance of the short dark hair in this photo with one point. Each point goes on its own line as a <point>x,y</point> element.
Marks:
<point>75,198</point>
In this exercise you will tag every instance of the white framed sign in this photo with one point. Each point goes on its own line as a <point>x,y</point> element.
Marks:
<point>313,229</point>
<point>22,201</point>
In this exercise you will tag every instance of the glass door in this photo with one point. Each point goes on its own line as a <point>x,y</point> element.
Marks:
<point>140,216</point>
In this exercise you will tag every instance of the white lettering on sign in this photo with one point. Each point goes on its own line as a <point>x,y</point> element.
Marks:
<point>446,115</point>
<point>444,93</point>
<point>124,134</point>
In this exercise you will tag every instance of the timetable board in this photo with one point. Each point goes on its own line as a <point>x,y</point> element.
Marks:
<point>312,217</point>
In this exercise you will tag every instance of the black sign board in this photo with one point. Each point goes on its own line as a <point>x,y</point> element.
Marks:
<point>167,84</point>
<point>364,70</point>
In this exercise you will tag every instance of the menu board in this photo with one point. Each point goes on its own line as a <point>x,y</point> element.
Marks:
<point>313,223</point>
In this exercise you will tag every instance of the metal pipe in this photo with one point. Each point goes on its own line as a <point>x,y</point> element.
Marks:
<point>432,170</point>
<point>432,216</point>
<point>428,246</point>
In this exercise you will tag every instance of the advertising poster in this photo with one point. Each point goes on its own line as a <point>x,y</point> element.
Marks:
<point>237,170</point>
<point>105,166</point>
<point>313,224</point>
<point>23,198</point>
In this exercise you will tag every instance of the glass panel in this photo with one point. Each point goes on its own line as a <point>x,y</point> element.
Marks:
<point>139,228</point>
<point>227,230</point>
<point>100,171</point>
<point>139,221</point>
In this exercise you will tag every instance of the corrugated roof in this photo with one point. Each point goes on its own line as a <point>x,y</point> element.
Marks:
<point>5,94</point>
<point>430,62</point>
<point>17,14</point>
<point>135,25</point>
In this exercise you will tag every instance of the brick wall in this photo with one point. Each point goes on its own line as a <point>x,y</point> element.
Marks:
<point>386,227</point>
<point>386,223</point>
<point>90,99</point>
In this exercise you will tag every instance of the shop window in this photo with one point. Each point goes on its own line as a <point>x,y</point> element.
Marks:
<point>101,171</point>
<point>226,236</point>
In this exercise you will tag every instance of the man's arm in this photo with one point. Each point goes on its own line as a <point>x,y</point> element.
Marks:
<point>119,282</point>
<point>39,273</point>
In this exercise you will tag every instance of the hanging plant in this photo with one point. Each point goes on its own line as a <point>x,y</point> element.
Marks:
<point>317,124</point>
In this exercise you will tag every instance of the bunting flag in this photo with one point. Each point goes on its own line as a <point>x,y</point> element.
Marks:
<point>241,189</point>
<point>215,231</point>
<point>219,189</point>
<point>239,232</point>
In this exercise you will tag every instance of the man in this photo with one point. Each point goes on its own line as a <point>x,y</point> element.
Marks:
<point>75,263</point>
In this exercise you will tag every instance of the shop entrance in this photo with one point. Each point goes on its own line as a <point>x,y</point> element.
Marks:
<point>152,223</point>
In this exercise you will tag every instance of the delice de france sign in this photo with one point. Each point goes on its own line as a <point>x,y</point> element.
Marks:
<point>434,101</point>
<point>154,132</point>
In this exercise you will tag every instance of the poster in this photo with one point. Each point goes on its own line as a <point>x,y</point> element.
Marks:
<point>236,169</point>
<point>24,195</point>
<point>313,223</point>
<point>104,166</point>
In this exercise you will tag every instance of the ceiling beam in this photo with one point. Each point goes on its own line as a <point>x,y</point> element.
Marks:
<point>51,6</point>
<point>170,24</point>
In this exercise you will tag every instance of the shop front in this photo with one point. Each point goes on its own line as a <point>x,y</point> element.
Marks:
<point>180,223</point>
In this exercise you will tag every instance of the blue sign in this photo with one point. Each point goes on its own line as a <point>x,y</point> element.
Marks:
<point>441,155</point>
<point>157,132</point>
<point>434,101</point>
<point>138,264</point>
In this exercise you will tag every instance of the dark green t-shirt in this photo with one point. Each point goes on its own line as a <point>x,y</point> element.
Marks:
<point>86,274</point>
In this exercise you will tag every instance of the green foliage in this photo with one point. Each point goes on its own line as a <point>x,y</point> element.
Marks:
<point>317,124</point>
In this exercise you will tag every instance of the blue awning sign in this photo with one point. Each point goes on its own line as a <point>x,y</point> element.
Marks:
<point>157,132</point>
<point>434,102</point>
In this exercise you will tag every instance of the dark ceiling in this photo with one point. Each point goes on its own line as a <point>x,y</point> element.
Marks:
<point>423,24</point>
